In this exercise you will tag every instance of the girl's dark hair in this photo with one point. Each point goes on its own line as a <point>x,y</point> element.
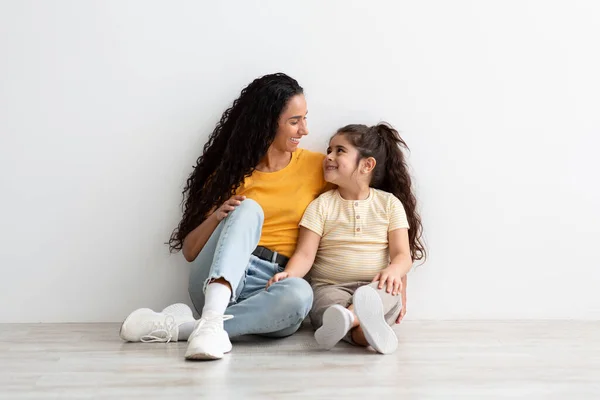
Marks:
<point>384,144</point>
<point>237,144</point>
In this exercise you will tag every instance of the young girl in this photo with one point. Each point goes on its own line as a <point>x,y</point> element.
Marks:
<point>358,238</point>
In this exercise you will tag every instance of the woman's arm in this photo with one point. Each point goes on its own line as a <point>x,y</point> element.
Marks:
<point>195,240</point>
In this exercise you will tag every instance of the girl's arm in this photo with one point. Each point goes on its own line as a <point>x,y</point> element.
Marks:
<point>400,262</point>
<point>403,298</point>
<point>303,258</point>
<point>400,250</point>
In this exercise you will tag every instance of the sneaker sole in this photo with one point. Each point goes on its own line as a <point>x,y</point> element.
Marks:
<point>369,310</point>
<point>121,331</point>
<point>201,355</point>
<point>333,329</point>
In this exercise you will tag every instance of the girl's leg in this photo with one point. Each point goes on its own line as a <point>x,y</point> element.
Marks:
<point>329,315</point>
<point>328,295</point>
<point>376,311</point>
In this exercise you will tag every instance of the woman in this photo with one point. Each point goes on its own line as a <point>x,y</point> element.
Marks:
<point>242,205</point>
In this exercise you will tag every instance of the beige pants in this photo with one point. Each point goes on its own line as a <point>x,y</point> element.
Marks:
<point>328,295</point>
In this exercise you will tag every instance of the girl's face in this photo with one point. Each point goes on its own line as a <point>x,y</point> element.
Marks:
<point>340,164</point>
<point>292,125</point>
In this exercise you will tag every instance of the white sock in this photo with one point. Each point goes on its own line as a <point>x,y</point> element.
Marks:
<point>337,322</point>
<point>351,314</point>
<point>217,298</point>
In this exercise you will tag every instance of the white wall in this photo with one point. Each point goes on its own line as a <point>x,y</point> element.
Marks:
<point>105,105</point>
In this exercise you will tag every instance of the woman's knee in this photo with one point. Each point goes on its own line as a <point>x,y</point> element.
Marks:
<point>249,208</point>
<point>284,332</point>
<point>297,295</point>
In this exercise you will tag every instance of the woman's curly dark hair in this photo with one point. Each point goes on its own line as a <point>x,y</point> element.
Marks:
<point>391,173</point>
<point>238,143</point>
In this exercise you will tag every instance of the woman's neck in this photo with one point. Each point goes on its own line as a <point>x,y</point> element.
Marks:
<point>275,160</point>
<point>359,192</point>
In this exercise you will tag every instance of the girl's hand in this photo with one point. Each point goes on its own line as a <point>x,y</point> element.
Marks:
<point>228,207</point>
<point>403,311</point>
<point>391,278</point>
<point>276,278</point>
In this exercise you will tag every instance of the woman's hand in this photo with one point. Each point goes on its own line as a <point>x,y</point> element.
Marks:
<point>228,207</point>
<point>390,277</point>
<point>276,278</point>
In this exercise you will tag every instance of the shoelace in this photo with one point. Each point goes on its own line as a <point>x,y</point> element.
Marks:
<point>165,327</point>
<point>212,323</point>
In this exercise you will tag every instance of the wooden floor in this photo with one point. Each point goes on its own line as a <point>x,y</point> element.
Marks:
<point>435,360</point>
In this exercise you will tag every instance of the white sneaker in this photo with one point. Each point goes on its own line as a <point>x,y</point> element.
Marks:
<point>209,341</point>
<point>369,310</point>
<point>337,321</point>
<point>146,325</point>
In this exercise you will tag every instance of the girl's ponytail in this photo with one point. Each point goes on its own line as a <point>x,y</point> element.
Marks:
<point>396,180</point>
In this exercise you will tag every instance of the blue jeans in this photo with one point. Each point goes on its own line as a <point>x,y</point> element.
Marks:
<point>278,312</point>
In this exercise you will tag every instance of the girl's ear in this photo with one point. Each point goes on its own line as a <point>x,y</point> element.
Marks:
<point>368,165</point>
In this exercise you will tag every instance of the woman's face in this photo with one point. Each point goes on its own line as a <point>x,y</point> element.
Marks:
<point>292,125</point>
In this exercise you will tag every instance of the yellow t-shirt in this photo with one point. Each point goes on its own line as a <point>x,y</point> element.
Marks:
<point>283,196</point>
<point>354,243</point>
